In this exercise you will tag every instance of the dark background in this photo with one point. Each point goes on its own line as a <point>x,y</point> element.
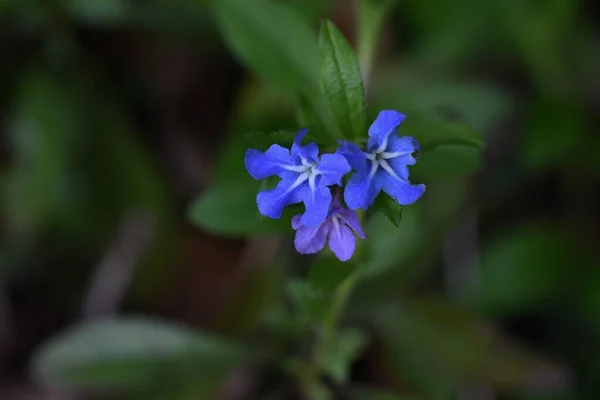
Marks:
<point>114,114</point>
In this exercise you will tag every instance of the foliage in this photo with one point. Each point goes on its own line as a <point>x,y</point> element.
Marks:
<point>499,95</point>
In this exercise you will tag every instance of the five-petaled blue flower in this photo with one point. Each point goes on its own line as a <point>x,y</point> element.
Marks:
<point>383,166</point>
<point>337,227</point>
<point>304,178</point>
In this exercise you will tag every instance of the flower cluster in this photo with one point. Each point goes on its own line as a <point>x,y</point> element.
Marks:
<point>309,178</point>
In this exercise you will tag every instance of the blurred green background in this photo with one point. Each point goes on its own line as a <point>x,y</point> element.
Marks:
<point>116,114</point>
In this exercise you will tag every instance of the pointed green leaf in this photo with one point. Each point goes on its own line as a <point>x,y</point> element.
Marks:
<point>387,206</point>
<point>272,40</point>
<point>341,81</point>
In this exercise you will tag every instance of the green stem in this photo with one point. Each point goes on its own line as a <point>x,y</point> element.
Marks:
<point>370,17</point>
<point>371,14</point>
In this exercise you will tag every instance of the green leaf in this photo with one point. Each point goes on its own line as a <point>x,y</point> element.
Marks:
<point>327,273</point>
<point>341,81</point>
<point>396,257</point>
<point>230,209</point>
<point>94,12</point>
<point>314,114</point>
<point>429,340</point>
<point>368,393</point>
<point>399,244</point>
<point>370,19</point>
<point>524,267</point>
<point>42,135</point>
<point>272,40</point>
<point>312,306</point>
<point>133,352</point>
<point>481,106</point>
<point>446,161</point>
<point>387,206</point>
<point>337,356</point>
<point>432,132</point>
<point>545,143</point>
<point>262,141</point>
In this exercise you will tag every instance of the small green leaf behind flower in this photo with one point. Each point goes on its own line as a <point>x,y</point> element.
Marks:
<point>229,208</point>
<point>387,206</point>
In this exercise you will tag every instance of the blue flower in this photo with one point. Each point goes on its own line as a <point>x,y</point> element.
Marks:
<point>337,227</point>
<point>304,178</point>
<point>384,166</point>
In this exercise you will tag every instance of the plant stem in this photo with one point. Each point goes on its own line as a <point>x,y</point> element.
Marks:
<point>370,15</point>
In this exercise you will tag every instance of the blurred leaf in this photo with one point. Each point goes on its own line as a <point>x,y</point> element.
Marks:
<point>133,352</point>
<point>312,306</point>
<point>246,307</point>
<point>386,206</point>
<point>230,209</point>
<point>312,10</point>
<point>338,354</point>
<point>99,12</point>
<point>390,245</point>
<point>341,81</point>
<point>370,16</point>
<point>451,34</point>
<point>554,135</point>
<point>525,266</point>
<point>432,132</point>
<point>327,273</point>
<point>43,138</point>
<point>397,257</point>
<point>367,393</point>
<point>406,88</point>
<point>272,39</point>
<point>313,113</point>
<point>446,161</point>
<point>429,341</point>
<point>262,141</point>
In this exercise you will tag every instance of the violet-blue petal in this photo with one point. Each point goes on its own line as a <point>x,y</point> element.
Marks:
<point>386,122</point>
<point>317,201</point>
<point>362,188</point>
<point>296,221</point>
<point>336,205</point>
<point>341,241</point>
<point>350,218</point>
<point>311,240</point>
<point>399,167</point>
<point>304,154</point>
<point>332,169</point>
<point>402,149</point>
<point>402,191</point>
<point>272,202</point>
<point>353,154</point>
<point>272,162</point>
